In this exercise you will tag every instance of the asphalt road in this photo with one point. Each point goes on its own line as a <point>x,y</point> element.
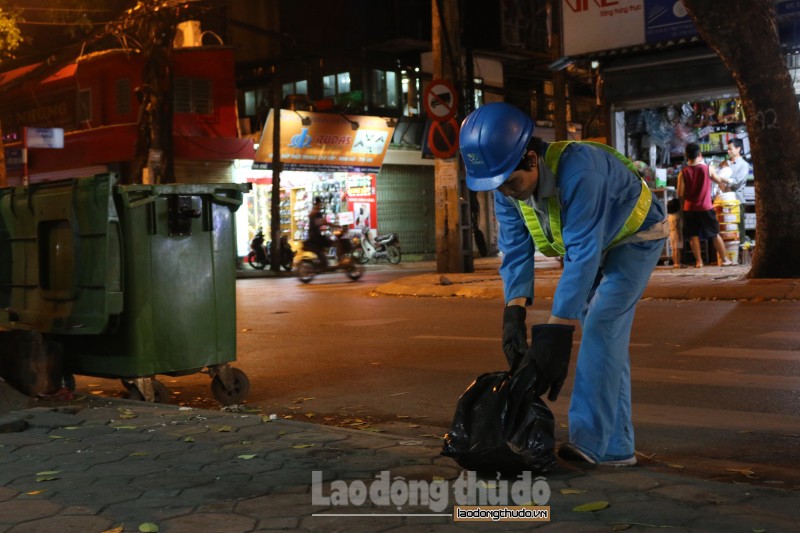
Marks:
<point>716,384</point>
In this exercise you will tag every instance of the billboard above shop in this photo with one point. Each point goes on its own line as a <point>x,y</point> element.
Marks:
<point>325,142</point>
<point>599,25</point>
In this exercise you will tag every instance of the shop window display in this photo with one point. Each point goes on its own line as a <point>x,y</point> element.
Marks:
<point>656,138</point>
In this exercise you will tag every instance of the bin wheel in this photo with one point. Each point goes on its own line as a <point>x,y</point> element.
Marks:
<point>240,389</point>
<point>160,392</point>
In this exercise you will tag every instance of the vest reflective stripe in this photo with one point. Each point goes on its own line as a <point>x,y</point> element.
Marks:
<point>553,245</point>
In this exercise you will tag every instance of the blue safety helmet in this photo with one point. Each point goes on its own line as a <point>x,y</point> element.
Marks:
<point>493,140</point>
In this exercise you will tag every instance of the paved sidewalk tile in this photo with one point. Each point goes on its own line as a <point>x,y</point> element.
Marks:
<point>119,464</point>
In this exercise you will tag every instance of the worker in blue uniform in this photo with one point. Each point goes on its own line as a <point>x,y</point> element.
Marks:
<point>586,203</point>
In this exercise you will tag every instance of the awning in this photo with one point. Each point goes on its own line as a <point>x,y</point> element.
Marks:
<point>326,142</point>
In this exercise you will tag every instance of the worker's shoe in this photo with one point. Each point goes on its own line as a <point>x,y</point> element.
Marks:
<point>571,452</point>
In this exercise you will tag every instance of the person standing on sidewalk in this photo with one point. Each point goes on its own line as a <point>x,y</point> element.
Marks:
<point>740,171</point>
<point>585,202</point>
<point>699,217</point>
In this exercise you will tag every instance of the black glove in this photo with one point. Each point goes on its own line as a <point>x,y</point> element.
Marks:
<point>515,333</point>
<point>551,345</point>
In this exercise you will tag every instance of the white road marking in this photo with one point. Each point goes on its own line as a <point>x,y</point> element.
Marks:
<point>744,353</point>
<point>744,380</point>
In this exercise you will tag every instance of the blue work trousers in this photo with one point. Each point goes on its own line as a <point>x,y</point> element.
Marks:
<point>600,408</point>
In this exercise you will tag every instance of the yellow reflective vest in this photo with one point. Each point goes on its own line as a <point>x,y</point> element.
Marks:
<point>552,245</point>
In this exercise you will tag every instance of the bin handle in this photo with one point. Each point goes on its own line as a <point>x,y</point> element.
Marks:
<point>223,199</point>
<point>129,203</point>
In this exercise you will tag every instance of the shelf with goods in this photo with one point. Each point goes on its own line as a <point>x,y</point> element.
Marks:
<point>285,212</point>
<point>300,205</point>
<point>657,136</point>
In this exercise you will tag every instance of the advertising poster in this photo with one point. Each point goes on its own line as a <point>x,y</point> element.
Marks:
<point>362,201</point>
<point>667,20</point>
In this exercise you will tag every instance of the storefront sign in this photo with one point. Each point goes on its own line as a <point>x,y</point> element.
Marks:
<point>44,138</point>
<point>593,25</point>
<point>329,142</point>
<point>14,159</point>
<point>667,20</point>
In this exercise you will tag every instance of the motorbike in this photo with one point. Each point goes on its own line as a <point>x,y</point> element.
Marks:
<point>380,247</point>
<point>307,263</point>
<point>259,256</point>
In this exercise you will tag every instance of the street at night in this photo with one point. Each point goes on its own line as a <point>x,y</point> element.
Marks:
<point>715,383</point>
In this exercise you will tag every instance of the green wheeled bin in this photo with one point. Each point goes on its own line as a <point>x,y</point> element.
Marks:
<point>132,280</point>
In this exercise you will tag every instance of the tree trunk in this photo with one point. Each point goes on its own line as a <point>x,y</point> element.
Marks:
<point>746,40</point>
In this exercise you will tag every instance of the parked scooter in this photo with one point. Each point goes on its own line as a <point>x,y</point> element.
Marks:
<point>381,247</point>
<point>308,264</point>
<point>259,256</point>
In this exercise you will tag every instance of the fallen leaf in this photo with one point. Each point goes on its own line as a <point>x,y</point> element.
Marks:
<point>266,418</point>
<point>679,467</point>
<point>35,492</point>
<point>223,429</point>
<point>70,428</point>
<point>287,417</point>
<point>188,439</point>
<point>591,506</point>
<point>572,491</point>
<point>298,446</point>
<point>374,430</point>
<point>56,437</point>
<point>118,529</point>
<point>243,330</point>
<point>746,472</point>
<point>302,399</point>
<point>124,427</point>
<point>281,433</point>
<point>139,454</point>
<point>247,456</point>
<point>48,472</point>
<point>148,527</point>
<point>45,478</point>
<point>403,416</point>
<point>96,392</point>
<point>310,415</point>
<point>415,426</point>
<point>410,443</point>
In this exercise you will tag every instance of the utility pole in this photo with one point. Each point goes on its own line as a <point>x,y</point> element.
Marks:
<point>275,212</point>
<point>453,232</point>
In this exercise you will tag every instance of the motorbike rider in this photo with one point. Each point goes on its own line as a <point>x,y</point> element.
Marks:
<point>317,242</point>
<point>585,202</point>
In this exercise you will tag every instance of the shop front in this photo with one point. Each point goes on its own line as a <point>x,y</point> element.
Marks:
<point>659,106</point>
<point>331,157</point>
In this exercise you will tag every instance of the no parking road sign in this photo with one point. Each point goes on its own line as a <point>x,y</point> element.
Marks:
<point>441,100</point>
<point>443,138</point>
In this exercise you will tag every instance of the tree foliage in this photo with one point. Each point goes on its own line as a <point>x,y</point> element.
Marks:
<point>746,40</point>
<point>10,36</point>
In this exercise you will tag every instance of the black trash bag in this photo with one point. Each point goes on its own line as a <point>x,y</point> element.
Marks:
<point>496,431</point>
